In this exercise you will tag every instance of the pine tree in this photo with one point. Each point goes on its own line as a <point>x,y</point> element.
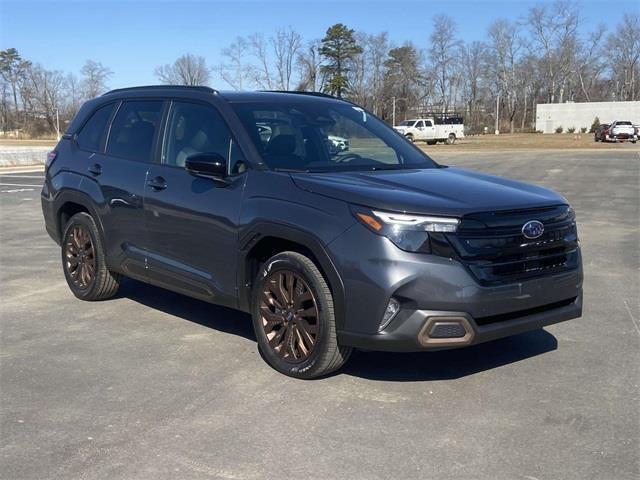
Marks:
<point>338,47</point>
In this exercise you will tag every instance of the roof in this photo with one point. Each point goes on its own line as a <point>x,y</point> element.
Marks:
<point>274,96</point>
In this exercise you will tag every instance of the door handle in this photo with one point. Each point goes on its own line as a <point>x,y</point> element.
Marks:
<point>95,169</point>
<point>157,183</point>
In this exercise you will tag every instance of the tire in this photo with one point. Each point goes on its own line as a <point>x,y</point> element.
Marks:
<point>281,326</point>
<point>409,137</point>
<point>451,139</point>
<point>595,138</point>
<point>83,260</point>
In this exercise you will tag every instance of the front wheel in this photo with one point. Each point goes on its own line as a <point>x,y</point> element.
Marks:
<point>409,137</point>
<point>293,318</point>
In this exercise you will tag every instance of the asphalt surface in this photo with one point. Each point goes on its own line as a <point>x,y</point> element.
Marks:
<point>154,385</point>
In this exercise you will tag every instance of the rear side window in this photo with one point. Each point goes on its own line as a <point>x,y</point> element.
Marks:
<point>95,130</point>
<point>134,129</point>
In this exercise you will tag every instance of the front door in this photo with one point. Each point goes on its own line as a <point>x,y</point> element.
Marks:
<point>192,222</point>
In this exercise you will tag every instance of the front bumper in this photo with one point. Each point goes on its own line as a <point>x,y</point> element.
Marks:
<point>434,289</point>
<point>424,329</point>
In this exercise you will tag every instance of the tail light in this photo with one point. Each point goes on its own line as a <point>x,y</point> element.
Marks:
<point>51,156</point>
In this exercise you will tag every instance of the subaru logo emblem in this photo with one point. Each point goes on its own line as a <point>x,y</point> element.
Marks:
<point>532,229</point>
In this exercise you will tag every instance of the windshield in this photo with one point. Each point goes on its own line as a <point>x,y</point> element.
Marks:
<point>623,123</point>
<point>407,123</point>
<point>326,136</point>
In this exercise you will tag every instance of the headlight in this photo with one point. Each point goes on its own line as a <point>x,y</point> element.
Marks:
<point>408,232</point>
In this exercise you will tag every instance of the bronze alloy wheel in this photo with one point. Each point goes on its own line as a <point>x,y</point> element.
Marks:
<point>289,315</point>
<point>79,256</point>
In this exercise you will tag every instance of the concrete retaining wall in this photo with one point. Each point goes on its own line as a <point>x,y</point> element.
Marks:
<point>11,156</point>
<point>550,116</point>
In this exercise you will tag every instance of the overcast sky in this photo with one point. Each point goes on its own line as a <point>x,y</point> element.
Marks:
<point>132,38</point>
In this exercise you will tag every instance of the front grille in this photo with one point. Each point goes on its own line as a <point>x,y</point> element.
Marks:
<point>494,249</point>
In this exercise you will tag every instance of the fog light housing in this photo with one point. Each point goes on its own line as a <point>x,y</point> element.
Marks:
<point>393,307</point>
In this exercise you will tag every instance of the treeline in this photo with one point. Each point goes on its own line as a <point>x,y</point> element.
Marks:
<point>545,57</point>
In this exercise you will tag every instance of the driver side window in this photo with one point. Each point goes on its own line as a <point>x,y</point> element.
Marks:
<point>194,128</point>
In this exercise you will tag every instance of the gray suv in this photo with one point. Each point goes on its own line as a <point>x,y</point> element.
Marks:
<point>310,213</point>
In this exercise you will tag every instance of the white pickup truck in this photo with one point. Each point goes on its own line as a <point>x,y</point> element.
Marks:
<point>621,130</point>
<point>432,130</point>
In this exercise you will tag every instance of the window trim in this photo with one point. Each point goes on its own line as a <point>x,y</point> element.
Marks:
<point>154,152</point>
<point>165,128</point>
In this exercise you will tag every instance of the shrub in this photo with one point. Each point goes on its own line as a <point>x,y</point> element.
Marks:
<point>559,130</point>
<point>571,130</point>
<point>583,130</point>
<point>594,125</point>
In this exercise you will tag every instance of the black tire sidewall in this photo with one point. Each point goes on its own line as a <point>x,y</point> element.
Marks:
<point>308,367</point>
<point>85,220</point>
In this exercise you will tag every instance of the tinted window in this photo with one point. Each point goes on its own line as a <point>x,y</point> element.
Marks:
<point>623,123</point>
<point>420,124</point>
<point>95,130</point>
<point>194,128</point>
<point>428,123</point>
<point>134,129</point>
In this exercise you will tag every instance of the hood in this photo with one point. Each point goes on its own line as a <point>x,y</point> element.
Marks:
<point>436,191</point>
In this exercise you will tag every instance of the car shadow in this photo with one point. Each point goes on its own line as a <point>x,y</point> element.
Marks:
<point>206,314</point>
<point>382,366</point>
<point>449,364</point>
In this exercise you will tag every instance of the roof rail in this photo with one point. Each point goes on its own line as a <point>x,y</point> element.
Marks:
<point>164,87</point>
<point>299,92</point>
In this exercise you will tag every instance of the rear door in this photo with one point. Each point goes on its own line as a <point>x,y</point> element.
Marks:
<point>120,173</point>
<point>191,221</point>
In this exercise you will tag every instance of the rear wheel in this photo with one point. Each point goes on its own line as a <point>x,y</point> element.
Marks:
<point>83,260</point>
<point>293,318</point>
<point>451,139</point>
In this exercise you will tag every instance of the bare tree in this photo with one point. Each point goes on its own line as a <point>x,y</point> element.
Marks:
<point>444,50</point>
<point>260,73</point>
<point>554,34</point>
<point>233,69</point>
<point>623,48</point>
<point>286,44</point>
<point>43,93</point>
<point>474,59</point>
<point>186,70</point>
<point>503,59</point>
<point>94,78</point>
<point>309,62</point>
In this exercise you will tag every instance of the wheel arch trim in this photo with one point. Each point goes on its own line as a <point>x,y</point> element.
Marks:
<point>287,233</point>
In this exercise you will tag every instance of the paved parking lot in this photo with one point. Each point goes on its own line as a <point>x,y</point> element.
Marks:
<point>156,385</point>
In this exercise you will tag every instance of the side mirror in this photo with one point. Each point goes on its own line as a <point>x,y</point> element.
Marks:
<point>211,165</point>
